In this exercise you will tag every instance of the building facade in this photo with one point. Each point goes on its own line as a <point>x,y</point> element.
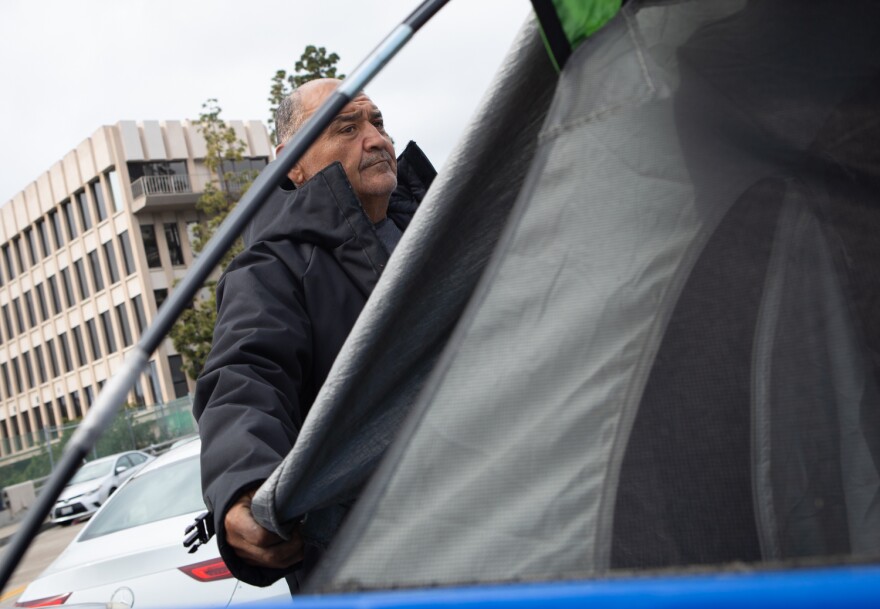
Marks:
<point>88,252</point>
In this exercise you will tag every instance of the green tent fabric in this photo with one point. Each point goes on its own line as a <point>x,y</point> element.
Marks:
<point>565,24</point>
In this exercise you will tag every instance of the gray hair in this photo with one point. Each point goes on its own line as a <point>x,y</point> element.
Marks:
<point>289,117</point>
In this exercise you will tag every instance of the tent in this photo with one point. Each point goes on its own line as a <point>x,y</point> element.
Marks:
<point>635,327</point>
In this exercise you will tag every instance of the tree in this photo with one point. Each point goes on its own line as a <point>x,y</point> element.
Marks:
<point>193,332</point>
<point>313,63</point>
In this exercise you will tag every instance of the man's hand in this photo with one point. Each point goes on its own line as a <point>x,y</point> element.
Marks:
<point>255,545</point>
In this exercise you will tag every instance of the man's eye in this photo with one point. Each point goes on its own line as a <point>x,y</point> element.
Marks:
<point>380,125</point>
<point>348,129</point>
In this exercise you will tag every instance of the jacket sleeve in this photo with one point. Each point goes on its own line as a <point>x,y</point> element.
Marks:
<point>247,396</point>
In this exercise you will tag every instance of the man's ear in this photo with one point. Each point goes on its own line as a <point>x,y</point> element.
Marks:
<point>296,174</point>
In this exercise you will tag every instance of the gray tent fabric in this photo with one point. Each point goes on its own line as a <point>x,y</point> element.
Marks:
<point>673,357</point>
<point>415,306</point>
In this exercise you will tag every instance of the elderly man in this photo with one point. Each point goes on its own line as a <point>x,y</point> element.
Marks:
<point>286,305</point>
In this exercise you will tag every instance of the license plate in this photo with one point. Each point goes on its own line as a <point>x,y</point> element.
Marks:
<point>65,511</point>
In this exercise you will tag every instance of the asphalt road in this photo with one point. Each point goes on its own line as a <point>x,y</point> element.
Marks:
<point>45,548</point>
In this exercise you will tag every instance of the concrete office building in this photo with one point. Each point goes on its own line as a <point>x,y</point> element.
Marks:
<point>88,251</point>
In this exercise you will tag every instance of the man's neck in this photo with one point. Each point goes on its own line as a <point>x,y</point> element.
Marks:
<point>376,208</point>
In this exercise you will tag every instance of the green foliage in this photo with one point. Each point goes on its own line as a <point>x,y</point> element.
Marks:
<point>313,63</point>
<point>193,332</point>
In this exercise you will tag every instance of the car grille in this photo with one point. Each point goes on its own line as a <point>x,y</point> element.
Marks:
<point>65,511</point>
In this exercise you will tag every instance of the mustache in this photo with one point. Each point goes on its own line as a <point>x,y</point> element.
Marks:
<point>374,158</point>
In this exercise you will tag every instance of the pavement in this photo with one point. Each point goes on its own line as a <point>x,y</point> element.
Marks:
<point>10,524</point>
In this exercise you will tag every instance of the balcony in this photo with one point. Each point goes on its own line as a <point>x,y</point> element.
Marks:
<point>181,191</point>
<point>163,193</point>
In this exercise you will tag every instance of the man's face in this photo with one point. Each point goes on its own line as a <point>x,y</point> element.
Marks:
<point>357,139</point>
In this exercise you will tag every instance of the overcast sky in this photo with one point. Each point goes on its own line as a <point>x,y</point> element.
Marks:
<point>68,67</point>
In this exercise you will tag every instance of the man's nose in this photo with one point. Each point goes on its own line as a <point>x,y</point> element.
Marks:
<point>374,138</point>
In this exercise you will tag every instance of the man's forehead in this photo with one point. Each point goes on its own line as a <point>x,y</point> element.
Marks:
<point>359,103</point>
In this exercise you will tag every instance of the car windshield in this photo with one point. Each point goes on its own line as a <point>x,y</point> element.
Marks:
<point>90,471</point>
<point>168,491</point>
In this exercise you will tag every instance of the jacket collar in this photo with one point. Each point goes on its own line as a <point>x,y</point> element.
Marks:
<point>326,213</point>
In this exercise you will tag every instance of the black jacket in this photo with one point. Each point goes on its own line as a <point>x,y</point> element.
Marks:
<point>285,306</point>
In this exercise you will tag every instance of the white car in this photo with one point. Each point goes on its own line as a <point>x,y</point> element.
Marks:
<point>131,552</point>
<point>94,483</point>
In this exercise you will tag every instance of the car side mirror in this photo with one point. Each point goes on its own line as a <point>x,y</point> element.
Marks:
<point>120,469</point>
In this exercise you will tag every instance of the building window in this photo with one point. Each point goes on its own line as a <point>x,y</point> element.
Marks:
<point>90,395</point>
<point>155,389</point>
<point>107,326</point>
<point>53,360</point>
<point>81,280</point>
<point>67,210</point>
<point>97,275</point>
<point>28,369</point>
<point>30,246</point>
<point>238,173</point>
<point>127,256</point>
<point>65,352</point>
<point>172,238</point>
<point>93,339</point>
<point>62,408</point>
<point>151,247</point>
<point>43,237</point>
<point>68,287</point>
<point>165,171</point>
<point>78,346</point>
<point>6,383</point>
<point>55,222</point>
<point>110,257</point>
<point>82,204</point>
<point>38,418</point>
<point>41,302</point>
<point>7,321</point>
<point>77,405</point>
<point>178,377</point>
<point>139,315</point>
<point>19,320</point>
<point>29,309</point>
<point>124,326</point>
<point>160,295</point>
<point>139,394</point>
<point>16,247</point>
<point>41,363</point>
<point>53,291</point>
<point>98,196</point>
<point>115,190</point>
<point>16,433</point>
<point>7,259</point>
<point>53,423</point>
<point>16,375</point>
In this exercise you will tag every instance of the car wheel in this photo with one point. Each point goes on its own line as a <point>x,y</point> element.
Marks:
<point>111,491</point>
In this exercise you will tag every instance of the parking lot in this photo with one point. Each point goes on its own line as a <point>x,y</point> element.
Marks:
<point>44,549</point>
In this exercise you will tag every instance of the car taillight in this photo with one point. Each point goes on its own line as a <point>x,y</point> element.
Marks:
<point>48,601</point>
<point>208,571</point>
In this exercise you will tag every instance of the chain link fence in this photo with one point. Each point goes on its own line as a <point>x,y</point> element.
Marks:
<point>147,429</point>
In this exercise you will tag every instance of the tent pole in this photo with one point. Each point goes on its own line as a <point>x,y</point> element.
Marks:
<point>112,396</point>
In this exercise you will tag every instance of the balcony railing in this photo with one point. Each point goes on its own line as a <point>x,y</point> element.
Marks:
<point>161,185</point>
